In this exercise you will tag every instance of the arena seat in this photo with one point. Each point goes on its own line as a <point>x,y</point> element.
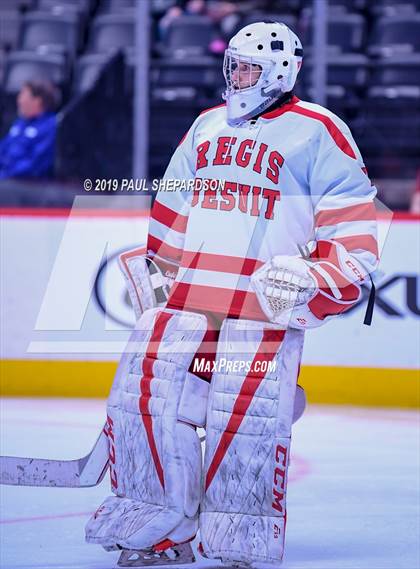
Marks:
<point>84,6</point>
<point>116,5</point>
<point>87,69</point>
<point>347,69</point>
<point>346,32</point>
<point>196,72</point>
<point>394,7</point>
<point>9,27</point>
<point>348,5</point>
<point>50,32</point>
<point>17,4</point>
<point>395,34</point>
<point>24,65</point>
<point>387,129</point>
<point>186,79</point>
<point>188,35</point>
<point>347,76</point>
<point>111,32</point>
<point>397,71</point>
<point>289,19</point>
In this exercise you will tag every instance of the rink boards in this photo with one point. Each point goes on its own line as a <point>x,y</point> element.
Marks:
<point>66,315</point>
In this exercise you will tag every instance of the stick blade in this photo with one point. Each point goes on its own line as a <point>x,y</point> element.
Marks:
<point>83,472</point>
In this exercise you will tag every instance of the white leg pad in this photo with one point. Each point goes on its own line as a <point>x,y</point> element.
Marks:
<point>155,456</point>
<point>249,418</point>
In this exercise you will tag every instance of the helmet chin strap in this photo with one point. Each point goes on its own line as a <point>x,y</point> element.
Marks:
<point>278,102</point>
<point>263,109</point>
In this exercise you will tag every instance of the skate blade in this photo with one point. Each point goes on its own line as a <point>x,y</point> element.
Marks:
<point>178,555</point>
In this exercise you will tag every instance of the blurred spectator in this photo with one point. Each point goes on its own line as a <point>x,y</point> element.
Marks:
<point>215,10</point>
<point>226,14</point>
<point>28,149</point>
<point>181,7</point>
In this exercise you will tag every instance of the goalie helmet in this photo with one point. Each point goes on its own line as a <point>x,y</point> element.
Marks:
<point>261,64</point>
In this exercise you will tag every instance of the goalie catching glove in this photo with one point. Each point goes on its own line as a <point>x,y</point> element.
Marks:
<point>306,293</point>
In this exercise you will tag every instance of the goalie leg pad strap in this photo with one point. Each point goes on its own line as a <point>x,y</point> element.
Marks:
<point>249,418</point>
<point>155,458</point>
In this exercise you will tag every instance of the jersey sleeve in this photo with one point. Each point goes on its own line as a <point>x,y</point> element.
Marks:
<point>345,224</point>
<point>169,215</point>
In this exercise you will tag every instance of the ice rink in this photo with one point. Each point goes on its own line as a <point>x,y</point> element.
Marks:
<point>353,500</point>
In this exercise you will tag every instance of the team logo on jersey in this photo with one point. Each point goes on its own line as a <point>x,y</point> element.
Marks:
<point>251,200</point>
<point>246,154</point>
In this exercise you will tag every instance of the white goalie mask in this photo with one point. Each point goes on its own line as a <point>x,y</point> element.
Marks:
<point>261,64</point>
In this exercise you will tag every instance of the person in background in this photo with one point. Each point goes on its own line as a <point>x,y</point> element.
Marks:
<point>181,7</point>
<point>27,151</point>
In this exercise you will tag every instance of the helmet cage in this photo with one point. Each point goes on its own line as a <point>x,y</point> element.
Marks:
<point>233,59</point>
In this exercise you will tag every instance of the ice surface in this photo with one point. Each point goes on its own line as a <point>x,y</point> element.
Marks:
<point>353,500</point>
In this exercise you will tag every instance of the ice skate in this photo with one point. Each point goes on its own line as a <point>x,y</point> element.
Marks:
<point>180,554</point>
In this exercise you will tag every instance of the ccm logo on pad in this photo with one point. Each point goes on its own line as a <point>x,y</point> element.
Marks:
<point>108,430</point>
<point>279,479</point>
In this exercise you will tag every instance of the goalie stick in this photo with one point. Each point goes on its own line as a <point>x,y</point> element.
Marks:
<point>78,473</point>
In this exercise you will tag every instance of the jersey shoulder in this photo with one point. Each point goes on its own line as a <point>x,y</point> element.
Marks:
<point>329,127</point>
<point>213,114</point>
<point>220,108</point>
<point>211,118</point>
<point>321,114</point>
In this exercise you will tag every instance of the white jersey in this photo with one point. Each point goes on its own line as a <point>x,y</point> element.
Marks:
<point>266,187</point>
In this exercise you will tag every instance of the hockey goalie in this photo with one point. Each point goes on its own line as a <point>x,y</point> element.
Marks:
<point>277,235</point>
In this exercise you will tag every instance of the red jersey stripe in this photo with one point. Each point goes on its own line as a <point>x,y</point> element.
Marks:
<point>282,109</point>
<point>212,108</point>
<point>223,263</point>
<point>169,217</point>
<point>163,249</point>
<point>359,212</point>
<point>363,242</point>
<point>226,302</point>
<point>332,128</point>
<point>246,394</point>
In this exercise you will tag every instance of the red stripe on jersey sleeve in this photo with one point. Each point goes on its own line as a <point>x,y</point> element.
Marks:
<point>169,217</point>
<point>336,134</point>
<point>363,242</point>
<point>359,212</point>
